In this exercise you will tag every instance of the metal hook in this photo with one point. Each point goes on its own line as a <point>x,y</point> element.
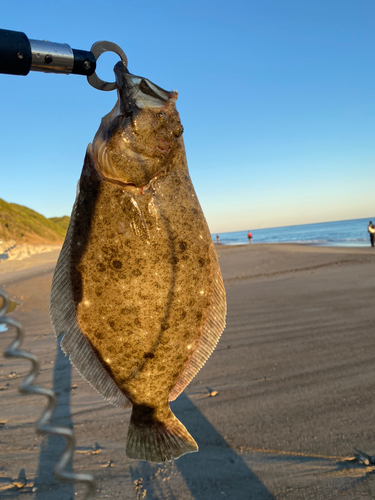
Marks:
<point>98,49</point>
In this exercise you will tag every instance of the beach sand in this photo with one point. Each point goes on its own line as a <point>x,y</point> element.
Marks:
<point>294,373</point>
<point>10,250</point>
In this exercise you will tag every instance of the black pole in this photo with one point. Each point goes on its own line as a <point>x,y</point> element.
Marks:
<point>15,53</point>
<point>19,55</point>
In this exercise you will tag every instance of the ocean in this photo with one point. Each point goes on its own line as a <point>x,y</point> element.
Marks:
<point>345,233</point>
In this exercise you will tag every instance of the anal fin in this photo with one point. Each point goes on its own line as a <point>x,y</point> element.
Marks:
<point>212,329</point>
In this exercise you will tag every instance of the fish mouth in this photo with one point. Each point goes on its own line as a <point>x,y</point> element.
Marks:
<point>130,151</point>
<point>141,91</point>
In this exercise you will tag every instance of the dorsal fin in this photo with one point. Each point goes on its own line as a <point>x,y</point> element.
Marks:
<point>64,321</point>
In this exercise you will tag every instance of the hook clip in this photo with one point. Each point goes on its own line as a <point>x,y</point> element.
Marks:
<point>98,49</point>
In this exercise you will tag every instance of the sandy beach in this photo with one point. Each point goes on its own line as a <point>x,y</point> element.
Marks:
<point>10,250</point>
<point>294,374</point>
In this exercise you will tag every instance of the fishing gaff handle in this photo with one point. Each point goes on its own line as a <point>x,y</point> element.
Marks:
<point>19,55</point>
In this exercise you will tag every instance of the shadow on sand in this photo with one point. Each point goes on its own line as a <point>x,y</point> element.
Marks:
<point>53,446</point>
<point>215,472</point>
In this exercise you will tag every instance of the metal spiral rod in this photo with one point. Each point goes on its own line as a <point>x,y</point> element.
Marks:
<point>27,387</point>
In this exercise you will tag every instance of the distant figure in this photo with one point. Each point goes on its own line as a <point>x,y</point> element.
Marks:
<point>371,230</point>
<point>217,238</point>
<point>249,235</point>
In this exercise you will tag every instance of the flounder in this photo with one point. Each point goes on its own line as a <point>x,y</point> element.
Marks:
<point>137,292</point>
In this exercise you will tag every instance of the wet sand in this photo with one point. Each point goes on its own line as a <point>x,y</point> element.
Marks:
<point>294,374</point>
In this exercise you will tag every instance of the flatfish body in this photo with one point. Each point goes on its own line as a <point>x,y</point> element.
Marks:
<point>137,291</point>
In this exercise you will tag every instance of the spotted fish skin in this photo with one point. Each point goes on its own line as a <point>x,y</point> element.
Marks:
<point>143,298</point>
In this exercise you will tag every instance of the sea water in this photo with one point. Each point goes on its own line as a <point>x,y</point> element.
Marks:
<point>345,233</point>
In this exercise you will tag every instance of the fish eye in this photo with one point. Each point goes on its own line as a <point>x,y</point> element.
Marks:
<point>160,115</point>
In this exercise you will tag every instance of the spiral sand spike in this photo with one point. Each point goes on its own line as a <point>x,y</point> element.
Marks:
<point>27,387</point>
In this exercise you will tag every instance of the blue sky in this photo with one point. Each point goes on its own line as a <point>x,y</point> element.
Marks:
<point>276,98</point>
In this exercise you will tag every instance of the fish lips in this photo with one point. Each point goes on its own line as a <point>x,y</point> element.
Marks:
<point>140,92</point>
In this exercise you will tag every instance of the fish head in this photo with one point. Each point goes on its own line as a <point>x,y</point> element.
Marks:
<point>137,140</point>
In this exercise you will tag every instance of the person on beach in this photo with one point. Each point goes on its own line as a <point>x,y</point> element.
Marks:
<point>371,230</point>
<point>249,235</point>
<point>217,238</point>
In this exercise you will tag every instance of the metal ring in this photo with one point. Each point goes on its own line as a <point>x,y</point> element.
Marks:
<point>98,49</point>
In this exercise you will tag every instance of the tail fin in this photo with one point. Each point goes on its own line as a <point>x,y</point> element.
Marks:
<point>157,440</point>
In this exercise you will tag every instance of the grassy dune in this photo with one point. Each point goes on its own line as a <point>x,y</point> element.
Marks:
<point>61,221</point>
<point>23,225</point>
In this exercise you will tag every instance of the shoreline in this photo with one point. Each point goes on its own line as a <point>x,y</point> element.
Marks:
<point>331,248</point>
<point>299,243</point>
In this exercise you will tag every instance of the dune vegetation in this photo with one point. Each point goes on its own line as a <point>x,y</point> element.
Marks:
<point>23,225</point>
